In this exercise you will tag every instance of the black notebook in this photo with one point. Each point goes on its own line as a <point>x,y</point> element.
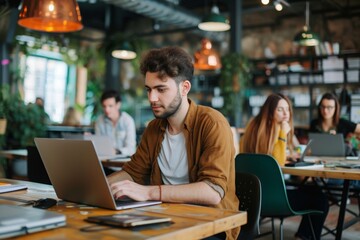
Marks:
<point>127,220</point>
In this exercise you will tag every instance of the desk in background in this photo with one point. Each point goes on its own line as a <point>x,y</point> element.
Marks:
<point>57,131</point>
<point>332,172</point>
<point>189,221</point>
<point>16,153</point>
<point>114,162</point>
<point>10,155</point>
<point>23,154</point>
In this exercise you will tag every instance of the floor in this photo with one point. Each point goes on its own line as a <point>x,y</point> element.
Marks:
<point>291,225</point>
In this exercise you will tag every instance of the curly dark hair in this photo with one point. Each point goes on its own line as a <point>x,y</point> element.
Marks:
<point>173,62</point>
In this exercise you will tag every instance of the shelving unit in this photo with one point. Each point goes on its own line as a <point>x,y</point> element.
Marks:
<point>304,80</point>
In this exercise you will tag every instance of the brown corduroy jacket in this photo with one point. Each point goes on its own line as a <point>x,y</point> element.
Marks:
<point>210,152</point>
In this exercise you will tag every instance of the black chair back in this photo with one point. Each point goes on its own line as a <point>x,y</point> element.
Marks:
<point>35,168</point>
<point>248,190</point>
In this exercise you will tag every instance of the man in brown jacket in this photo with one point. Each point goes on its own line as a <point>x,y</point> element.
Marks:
<point>186,154</point>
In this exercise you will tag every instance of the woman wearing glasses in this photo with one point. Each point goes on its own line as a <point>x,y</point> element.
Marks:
<point>329,120</point>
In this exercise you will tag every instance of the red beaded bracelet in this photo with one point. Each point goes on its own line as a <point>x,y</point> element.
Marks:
<point>160,192</point>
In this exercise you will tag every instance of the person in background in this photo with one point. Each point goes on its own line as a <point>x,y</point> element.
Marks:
<point>72,117</point>
<point>273,126</point>
<point>186,154</point>
<point>116,124</point>
<point>329,120</point>
<point>271,132</point>
<point>41,103</point>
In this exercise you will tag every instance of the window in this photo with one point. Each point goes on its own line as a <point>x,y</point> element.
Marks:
<point>47,78</point>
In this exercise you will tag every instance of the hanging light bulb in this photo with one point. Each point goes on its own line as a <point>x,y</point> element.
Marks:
<point>50,15</point>
<point>265,2</point>
<point>278,6</point>
<point>206,58</point>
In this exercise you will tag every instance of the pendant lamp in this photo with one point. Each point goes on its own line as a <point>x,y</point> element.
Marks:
<point>307,37</point>
<point>214,22</point>
<point>124,52</point>
<point>206,58</point>
<point>50,15</point>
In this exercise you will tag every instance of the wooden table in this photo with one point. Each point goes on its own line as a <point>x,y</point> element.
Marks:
<point>189,221</point>
<point>330,172</point>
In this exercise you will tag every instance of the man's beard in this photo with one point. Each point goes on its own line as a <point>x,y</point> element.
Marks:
<point>172,109</point>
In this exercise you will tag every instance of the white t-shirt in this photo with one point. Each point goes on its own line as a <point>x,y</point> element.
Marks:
<point>172,159</point>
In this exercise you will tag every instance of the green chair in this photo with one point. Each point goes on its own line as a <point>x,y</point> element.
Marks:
<point>274,200</point>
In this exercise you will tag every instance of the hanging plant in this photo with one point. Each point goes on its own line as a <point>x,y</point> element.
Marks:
<point>235,77</point>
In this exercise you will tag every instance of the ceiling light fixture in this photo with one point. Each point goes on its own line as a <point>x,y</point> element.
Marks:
<point>206,58</point>
<point>307,37</point>
<point>124,52</point>
<point>279,5</point>
<point>50,15</point>
<point>214,22</point>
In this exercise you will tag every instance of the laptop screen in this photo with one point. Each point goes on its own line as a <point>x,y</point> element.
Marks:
<point>77,173</point>
<point>324,144</point>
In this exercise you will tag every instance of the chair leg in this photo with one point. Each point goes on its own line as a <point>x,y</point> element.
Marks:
<point>273,229</point>
<point>281,230</point>
<point>311,226</point>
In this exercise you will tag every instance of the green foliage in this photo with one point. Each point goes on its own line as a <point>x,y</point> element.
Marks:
<point>235,77</point>
<point>24,122</point>
<point>93,95</point>
<point>4,96</point>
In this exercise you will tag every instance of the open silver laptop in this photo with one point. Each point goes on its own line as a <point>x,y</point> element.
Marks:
<point>329,145</point>
<point>77,175</point>
<point>17,220</point>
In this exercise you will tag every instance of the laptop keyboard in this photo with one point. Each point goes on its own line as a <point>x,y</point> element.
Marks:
<point>124,200</point>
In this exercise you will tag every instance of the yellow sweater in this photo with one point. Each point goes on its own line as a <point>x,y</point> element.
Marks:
<point>279,152</point>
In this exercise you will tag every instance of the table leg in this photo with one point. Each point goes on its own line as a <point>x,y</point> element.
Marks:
<point>8,168</point>
<point>344,196</point>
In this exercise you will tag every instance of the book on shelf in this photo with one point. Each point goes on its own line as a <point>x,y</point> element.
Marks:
<point>9,187</point>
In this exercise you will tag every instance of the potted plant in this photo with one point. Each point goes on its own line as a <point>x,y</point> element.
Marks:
<point>25,122</point>
<point>235,77</point>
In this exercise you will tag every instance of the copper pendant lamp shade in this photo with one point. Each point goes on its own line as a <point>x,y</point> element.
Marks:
<point>207,58</point>
<point>50,15</point>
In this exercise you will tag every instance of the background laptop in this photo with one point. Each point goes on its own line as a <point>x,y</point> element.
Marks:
<point>77,174</point>
<point>103,145</point>
<point>17,220</point>
<point>324,144</point>
<point>302,160</point>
